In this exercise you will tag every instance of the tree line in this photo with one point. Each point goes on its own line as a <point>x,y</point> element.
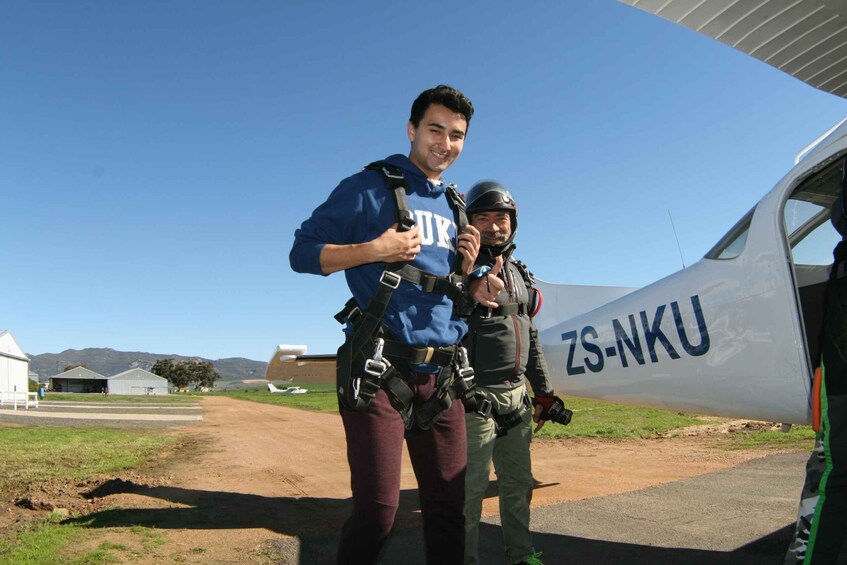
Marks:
<point>185,374</point>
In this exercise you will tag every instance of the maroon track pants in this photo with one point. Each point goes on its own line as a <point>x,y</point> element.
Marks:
<point>439,458</point>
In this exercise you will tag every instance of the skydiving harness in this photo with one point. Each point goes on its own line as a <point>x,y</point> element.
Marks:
<point>479,404</point>
<point>370,341</point>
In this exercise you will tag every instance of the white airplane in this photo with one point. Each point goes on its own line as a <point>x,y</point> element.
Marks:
<point>287,390</point>
<point>737,333</point>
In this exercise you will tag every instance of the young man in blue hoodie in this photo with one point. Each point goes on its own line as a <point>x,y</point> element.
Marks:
<point>356,230</point>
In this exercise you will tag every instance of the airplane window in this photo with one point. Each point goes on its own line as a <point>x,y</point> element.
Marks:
<point>812,240</point>
<point>732,244</point>
<point>806,218</point>
<point>736,246</point>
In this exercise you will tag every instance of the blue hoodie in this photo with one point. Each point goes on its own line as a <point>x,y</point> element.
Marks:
<point>360,209</point>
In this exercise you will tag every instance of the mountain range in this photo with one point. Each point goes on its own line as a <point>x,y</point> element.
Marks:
<point>109,362</point>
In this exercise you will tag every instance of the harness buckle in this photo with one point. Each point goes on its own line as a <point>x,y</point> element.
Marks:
<point>389,279</point>
<point>464,369</point>
<point>376,366</point>
<point>354,315</point>
<point>484,407</point>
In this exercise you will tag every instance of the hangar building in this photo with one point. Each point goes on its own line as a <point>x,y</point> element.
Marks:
<point>78,379</point>
<point>137,381</point>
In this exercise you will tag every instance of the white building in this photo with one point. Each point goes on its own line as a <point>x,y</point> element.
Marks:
<point>137,381</point>
<point>14,365</point>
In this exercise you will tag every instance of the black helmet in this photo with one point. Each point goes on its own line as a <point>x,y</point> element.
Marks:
<point>489,195</point>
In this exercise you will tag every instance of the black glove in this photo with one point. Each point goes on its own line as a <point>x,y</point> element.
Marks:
<point>554,409</point>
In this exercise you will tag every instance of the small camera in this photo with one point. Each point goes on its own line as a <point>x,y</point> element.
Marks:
<point>558,413</point>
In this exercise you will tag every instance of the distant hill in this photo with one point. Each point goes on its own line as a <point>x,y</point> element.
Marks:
<point>109,362</point>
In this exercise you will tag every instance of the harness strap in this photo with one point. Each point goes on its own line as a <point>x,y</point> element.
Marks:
<point>400,394</point>
<point>480,405</point>
<point>397,183</point>
<point>372,316</point>
<point>505,422</point>
<point>457,202</point>
<point>431,283</point>
<point>414,355</point>
<point>504,310</point>
<point>453,383</point>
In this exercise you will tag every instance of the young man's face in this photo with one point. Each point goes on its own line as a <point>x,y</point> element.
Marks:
<point>494,227</point>
<point>438,140</point>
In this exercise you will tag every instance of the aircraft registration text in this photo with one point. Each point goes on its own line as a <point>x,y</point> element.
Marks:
<point>636,336</point>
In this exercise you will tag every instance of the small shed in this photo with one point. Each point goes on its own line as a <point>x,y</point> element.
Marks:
<point>79,379</point>
<point>137,382</point>
<point>14,365</point>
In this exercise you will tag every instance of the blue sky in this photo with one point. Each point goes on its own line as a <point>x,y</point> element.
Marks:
<point>156,157</point>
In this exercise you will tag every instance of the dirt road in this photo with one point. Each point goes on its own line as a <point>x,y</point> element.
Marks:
<point>258,478</point>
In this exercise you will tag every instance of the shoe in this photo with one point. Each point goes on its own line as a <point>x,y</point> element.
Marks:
<point>533,559</point>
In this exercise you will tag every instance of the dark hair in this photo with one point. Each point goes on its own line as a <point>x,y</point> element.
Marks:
<point>442,94</point>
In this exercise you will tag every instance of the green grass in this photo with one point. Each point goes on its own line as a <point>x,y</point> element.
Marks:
<point>593,418</point>
<point>38,543</point>
<point>50,542</point>
<point>33,454</point>
<point>321,397</point>
<point>799,437</point>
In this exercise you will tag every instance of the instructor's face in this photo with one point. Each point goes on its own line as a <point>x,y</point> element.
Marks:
<point>438,140</point>
<point>494,227</point>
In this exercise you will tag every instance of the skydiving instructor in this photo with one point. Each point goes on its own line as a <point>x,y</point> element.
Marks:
<point>505,351</point>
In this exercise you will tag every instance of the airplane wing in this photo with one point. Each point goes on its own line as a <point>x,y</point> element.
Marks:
<point>805,38</point>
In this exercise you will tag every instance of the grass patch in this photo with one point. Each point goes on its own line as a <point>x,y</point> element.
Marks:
<point>320,398</point>
<point>74,544</point>
<point>799,437</point>
<point>593,418</point>
<point>33,454</point>
<point>38,543</point>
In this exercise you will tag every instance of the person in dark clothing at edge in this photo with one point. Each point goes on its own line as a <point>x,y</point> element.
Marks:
<point>504,349</point>
<point>820,535</point>
<point>400,235</point>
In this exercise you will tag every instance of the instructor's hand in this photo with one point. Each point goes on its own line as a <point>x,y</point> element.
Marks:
<point>536,417</point>
<point>484,290</point>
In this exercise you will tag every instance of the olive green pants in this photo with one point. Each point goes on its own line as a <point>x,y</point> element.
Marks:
<point>512,465</point>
